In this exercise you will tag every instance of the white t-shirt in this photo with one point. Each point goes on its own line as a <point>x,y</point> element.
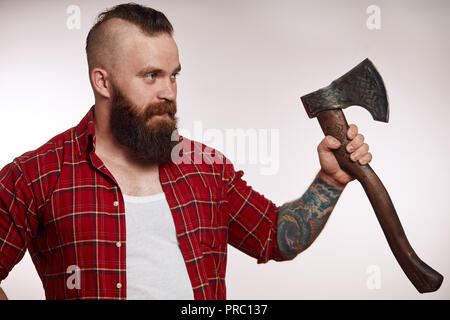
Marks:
<point>154,263</point>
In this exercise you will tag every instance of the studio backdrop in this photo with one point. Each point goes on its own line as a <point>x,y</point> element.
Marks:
<point>245,65</point>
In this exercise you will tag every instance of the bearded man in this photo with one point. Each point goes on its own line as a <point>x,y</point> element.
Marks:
<point>106,201</point>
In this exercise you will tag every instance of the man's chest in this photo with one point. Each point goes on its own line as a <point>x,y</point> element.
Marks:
<point>133,182</point>
<point>87,203</point>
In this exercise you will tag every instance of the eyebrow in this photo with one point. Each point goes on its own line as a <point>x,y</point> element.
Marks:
<point>151,69</point>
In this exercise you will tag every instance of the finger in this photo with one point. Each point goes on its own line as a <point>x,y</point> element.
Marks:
<point>352,131</point>
<point>328,143</point>
<point>356,143</point>
<point>360,152</point>
<point>365,159</point>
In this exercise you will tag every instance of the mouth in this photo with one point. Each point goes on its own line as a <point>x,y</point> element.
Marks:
<point>158,116</point>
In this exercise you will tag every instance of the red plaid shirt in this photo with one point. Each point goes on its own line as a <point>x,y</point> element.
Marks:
<point>62,204</point>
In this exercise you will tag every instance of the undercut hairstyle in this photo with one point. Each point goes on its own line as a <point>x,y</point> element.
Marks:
<point>150,21</point>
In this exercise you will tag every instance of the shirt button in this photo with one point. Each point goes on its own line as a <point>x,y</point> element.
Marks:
<point>118,244</point>
<point>119,285</point>
<point>116,203</point>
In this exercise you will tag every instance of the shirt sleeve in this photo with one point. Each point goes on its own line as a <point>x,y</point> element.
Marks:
<point>17,217</point>
<point>253,218</point>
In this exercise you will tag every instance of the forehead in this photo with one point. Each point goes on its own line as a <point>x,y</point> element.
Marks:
<point>141,50</point>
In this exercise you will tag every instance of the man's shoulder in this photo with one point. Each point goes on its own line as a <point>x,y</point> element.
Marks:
<point>74,139</point>
<point>48,155</point>
<point>39,168</point>
<point>195,158</point>
<point>190,151</point>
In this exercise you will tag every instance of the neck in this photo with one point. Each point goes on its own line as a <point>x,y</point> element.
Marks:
<point>108,149</point>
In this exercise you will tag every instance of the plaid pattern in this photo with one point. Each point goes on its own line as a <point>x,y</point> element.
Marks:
<point>62,204</point>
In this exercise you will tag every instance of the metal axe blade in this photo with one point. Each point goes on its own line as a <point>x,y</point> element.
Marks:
<point>361,86</point>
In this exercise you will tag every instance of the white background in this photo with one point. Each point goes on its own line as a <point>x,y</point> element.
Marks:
<point>245,65</point>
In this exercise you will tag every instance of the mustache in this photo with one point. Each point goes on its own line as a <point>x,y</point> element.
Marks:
<point>160,108</point>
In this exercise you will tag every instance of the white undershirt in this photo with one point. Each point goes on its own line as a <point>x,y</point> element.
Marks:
<point>154,263</point>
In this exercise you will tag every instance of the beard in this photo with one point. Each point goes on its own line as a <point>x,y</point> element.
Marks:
<point>149,141</point>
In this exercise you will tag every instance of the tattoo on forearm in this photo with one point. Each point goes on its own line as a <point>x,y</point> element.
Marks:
<point>301,221</point>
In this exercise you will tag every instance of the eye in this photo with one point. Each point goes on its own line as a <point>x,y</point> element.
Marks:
<point>175,75</point>
<point>150,76</point>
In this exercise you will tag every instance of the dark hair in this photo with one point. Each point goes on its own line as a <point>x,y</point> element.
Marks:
<point>150,21</point>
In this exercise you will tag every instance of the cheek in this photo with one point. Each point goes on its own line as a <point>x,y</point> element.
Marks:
<point>139,93</point>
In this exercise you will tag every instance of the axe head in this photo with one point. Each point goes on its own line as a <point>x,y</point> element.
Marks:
<point>361,86</point>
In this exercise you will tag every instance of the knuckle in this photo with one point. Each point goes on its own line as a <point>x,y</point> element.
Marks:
<point>367,158</point>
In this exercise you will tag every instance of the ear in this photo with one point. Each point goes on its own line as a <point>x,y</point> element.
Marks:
<point>101,83</point>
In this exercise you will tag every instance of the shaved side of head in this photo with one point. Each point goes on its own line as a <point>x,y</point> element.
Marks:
<point>107,43</point>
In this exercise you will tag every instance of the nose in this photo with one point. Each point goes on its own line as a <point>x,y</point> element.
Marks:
<point>167,89</point>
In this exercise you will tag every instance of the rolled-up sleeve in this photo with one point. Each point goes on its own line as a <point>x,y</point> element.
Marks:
<point>17,217</point>
<point>253,218</point>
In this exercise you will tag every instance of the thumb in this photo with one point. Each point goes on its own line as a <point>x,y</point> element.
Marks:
<point>328,143</point>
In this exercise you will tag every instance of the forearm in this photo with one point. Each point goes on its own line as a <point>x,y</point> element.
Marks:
<point>3,295</point>
<point>302,220</point>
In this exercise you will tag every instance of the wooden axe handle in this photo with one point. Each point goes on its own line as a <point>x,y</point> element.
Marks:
<point>422,276</point>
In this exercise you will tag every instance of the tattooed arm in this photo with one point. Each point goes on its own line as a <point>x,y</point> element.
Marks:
<point>301,221</point>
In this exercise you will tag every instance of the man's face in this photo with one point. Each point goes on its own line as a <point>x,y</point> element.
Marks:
<point>147,135</point>
<point>143,103</point>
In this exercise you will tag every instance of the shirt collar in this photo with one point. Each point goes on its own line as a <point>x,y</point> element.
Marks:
<point>84,138</point>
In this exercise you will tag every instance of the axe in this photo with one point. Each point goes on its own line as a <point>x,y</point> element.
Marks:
<point>363,86</point>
